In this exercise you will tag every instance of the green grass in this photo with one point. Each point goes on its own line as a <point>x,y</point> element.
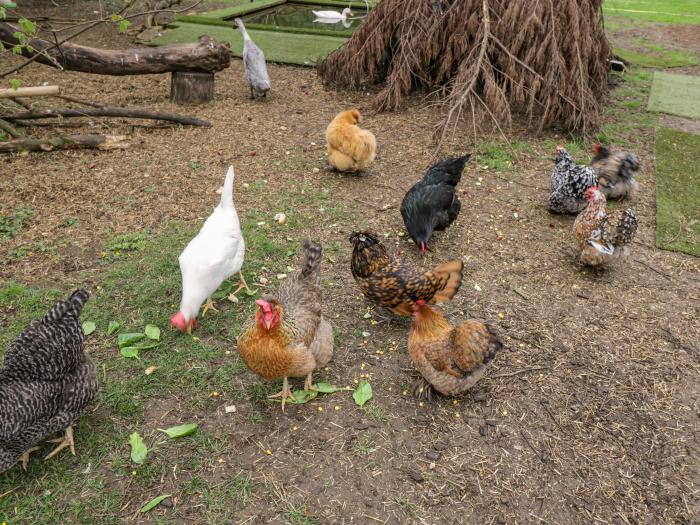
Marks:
<point>657,56</point>
<point>298,515</point>
<point>138,286</point>
<point>664,11</point>
<point>675,94</point>
<point>288,48</point>
<point>677,191</point>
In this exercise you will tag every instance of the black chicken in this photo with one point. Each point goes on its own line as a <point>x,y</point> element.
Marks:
<point>432,203</point>
<point>45,382</point>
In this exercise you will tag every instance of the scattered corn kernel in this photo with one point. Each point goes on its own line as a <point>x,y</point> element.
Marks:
<point>336,407</point>
<point>501,315</point>
<point>454,401</point>
<point>320,409</point>
<point>268,452</point>
<point>295,428</point>
<point>221,460</point>
<point>215,394</point>
<point>404,392</point>
<point>133,472</point>
<point>457,414</point>
<point>421,404</point>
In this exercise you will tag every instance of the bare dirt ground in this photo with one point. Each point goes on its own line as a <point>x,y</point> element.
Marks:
<point>589,415</point>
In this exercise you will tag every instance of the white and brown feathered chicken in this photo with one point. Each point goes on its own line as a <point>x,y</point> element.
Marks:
<point>45,382</point>
<point>215,254</point>
<point>603,237</point>
<point>254,64</point>
<point>615,171</point>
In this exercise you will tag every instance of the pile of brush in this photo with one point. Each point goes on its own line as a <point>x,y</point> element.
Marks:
<point>483,58</point>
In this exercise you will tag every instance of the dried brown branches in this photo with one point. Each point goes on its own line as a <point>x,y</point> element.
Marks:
<point>484,58</point>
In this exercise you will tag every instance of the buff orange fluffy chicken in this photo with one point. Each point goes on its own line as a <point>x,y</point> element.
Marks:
<point>396,284</point>
<point>602,236</point>
<point>289,337</point>
<point>451,359</point>
<point>349,147</point>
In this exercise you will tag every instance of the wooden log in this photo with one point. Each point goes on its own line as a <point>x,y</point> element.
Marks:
<point>102,142</point>
<point>108,112</point>
<point>204,56</point>
<point>191,88</point>
<point>34,91</point>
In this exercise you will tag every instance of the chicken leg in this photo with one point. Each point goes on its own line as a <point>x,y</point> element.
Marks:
<point>421,389</point>
<point>243,284</point>
<point>66,441</point>
<point>308,383</point>
<point>24,458</point>
<point>285,393</point>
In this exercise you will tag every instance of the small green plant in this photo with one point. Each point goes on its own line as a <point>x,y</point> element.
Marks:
<point>363,446</point>
<point>299,515</point>
<point>130,242</point>
<point>11,224</point>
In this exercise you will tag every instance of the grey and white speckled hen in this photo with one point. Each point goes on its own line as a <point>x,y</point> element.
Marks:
<point>254,63</point>
<point>568,184</point>
<point>45,382</point>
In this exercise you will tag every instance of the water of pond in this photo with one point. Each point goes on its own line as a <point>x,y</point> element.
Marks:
<point>302,16</point>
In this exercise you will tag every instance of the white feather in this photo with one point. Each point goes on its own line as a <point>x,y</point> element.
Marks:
<point>215,254</point>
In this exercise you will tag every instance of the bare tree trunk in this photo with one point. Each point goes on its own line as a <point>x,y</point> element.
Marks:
<point>204,56</point>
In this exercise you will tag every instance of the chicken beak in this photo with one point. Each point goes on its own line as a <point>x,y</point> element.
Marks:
<point>268,323</point>
<point>189,328</point>
<point>422,248</point>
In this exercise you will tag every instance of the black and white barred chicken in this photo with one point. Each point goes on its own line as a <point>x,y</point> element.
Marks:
<point>45,383</point>
<point>568,183</point>
<point>603,236</point>
<point>615,172</point>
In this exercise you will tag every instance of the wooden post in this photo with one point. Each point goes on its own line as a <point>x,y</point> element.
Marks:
<point>191,88</point>
<point>36,91</point>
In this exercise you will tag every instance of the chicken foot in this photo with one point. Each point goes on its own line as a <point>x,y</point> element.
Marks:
<point>24,458</point>
<point>209,305</point>
<point>66,441</point>
<point>285,393</point>
<point>421,389</point>
<point>242,285</point>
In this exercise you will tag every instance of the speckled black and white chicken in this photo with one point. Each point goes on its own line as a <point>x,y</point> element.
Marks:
<point>568,183</point>
<point>615,171</point>
<point>45,383</point>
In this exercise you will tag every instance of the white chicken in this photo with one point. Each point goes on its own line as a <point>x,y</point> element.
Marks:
<point>215,254</point>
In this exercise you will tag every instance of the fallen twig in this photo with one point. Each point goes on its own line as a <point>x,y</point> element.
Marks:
<point>109,112</point>
<point>33,91</point>
<point>521,371</point>
<point>6,126</point>
<point>102,142</point>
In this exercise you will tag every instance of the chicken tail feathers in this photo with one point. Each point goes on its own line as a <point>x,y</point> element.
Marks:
<point>312,253</point>
<point>448,171</point>
<point>452,272</point>
<point>74,305</point>
<point>227,193</point>
<point>495,345</point>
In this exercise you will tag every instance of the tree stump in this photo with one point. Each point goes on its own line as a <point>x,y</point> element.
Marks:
<point>188,87</point>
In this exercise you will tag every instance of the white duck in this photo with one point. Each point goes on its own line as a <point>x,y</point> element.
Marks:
<point>215,254</point>
<point>255,66</point>
<point>333,15</point>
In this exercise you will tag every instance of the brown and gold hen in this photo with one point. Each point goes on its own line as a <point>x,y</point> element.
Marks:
<point>396,284</point>
<point>451,359</point>
<point>602,236</point>
<point>289,337</point>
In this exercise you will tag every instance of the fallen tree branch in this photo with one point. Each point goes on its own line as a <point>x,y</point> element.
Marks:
<point>204,56</point>
<point>87,26</point>
<point>6,126</point>
<point>102,142</point>
<point>108,112</point>
<point>34,91</point>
